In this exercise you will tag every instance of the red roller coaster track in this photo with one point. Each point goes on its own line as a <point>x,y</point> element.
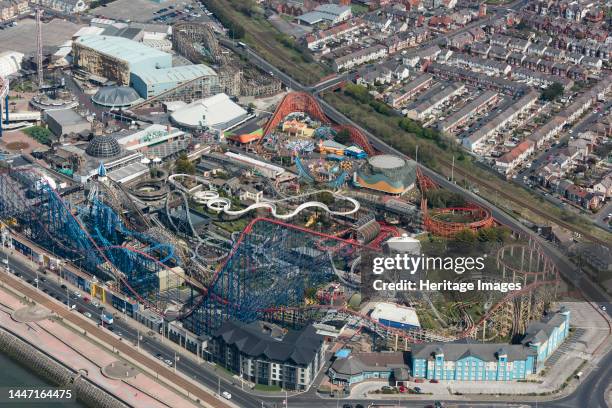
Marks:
<point>448,228</point>
<point>304,102</point>
<point>295,102</point>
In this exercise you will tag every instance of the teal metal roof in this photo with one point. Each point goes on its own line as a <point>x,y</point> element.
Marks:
<point>151,75</point>
<point>123,49</point>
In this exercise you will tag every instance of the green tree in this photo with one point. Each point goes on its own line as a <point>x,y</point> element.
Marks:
<point>552,92</point>
<point>251,108</point>
<point>443,198</point>
<point>41,134</point>
<point>184,165</point>
<point>310,293</point>
<point>466,236</point>
<point>343,136</point>
<point>358,92</point>
<point>326,198</point>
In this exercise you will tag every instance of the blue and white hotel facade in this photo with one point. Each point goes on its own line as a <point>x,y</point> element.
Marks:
<point>491,362</point>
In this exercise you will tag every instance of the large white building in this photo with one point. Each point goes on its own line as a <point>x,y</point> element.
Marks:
<point>331,13</point>
<point>392,315</point>
<point>152,135</point>
<point>10,63</point>
<point>218,112</point>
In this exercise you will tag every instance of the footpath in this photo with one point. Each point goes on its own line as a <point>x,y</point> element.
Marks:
<point>68,337</point>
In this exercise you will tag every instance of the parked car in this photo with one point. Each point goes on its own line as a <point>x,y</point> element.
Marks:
<point>226,395</point>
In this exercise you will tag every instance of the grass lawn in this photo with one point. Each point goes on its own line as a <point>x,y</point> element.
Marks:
<point>433,156</point>
<point>41,134</point>
<point>358,9</point>
<point>232,226</point>
<point>225,370</point>
<point>267,388</point>
<point>274,46</point>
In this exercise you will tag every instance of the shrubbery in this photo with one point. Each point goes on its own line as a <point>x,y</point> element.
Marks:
<point>41,134</point>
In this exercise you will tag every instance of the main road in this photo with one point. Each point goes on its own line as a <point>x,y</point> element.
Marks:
<point>591,391</point>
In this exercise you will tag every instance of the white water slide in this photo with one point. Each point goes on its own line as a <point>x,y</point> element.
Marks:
<point>214,202</point>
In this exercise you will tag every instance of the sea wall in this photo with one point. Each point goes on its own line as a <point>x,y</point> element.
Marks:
<point>55,372</point>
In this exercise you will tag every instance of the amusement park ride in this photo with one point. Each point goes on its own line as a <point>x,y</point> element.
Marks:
<point>271,262</point>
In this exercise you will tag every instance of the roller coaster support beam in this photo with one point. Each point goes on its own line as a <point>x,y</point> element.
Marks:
<point>6,106</point>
